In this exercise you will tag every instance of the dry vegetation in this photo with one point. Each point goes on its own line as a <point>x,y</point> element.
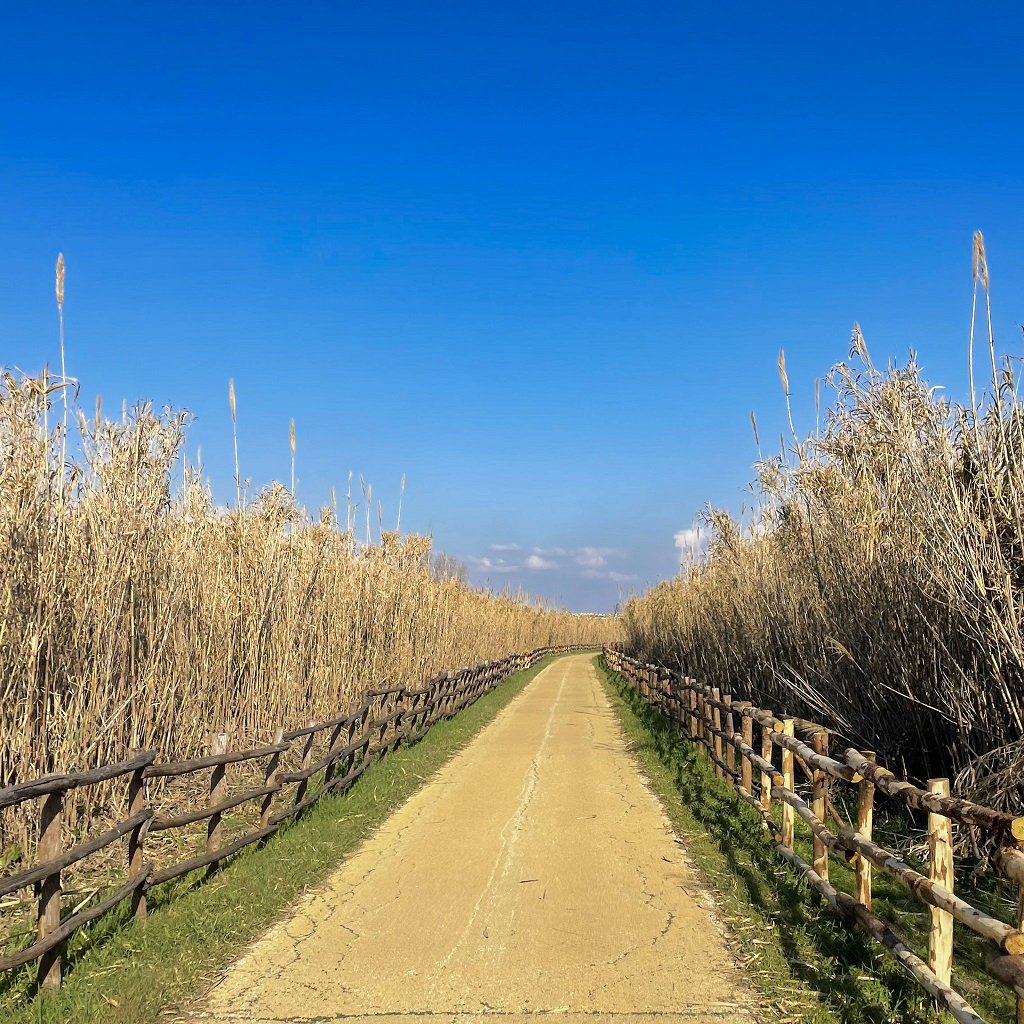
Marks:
<point>136,614</point>
<point>879,586</point>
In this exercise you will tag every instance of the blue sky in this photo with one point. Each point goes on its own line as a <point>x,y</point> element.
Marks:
<point>538,258</point>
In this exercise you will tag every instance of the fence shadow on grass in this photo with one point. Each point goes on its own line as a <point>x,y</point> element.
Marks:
<point>850,976</point>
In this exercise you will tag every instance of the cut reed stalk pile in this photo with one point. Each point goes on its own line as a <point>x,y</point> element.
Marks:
<point>137,616</point>
<point>879,586</point>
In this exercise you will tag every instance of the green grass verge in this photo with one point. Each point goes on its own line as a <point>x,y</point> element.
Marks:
<point>125,972</point>
<point>809,965</point>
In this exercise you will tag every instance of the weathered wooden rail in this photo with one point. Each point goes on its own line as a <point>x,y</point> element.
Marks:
<point>351,742</point>
<point>725,730</point>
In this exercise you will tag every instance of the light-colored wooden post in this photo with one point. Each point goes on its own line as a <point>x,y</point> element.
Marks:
<point>270,779</point>
<point>50,842</point>
<point>747,734</point>
<point>693,712</point>
<point>716,722</point>
<point>865,816</point>
<point>788,813</point>
<point>1020,926</point>
<point>819,805</point>
<point>940,871</point>
<point>768,753</point>
<point>218,792</point>
<point>730,750</point>
<point>136,803</point>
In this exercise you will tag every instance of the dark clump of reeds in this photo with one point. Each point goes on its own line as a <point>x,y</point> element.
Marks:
<point>878,587</point>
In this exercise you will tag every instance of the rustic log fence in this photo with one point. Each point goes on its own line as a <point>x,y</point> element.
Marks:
<point>709,718</point>
<point>351,742</point>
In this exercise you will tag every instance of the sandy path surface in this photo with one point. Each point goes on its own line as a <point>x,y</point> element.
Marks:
<point>534,874</point>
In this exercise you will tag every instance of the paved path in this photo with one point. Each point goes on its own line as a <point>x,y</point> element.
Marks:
<point>534,874</point>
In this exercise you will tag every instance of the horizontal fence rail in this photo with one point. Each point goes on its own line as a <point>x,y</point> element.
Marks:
<point>761,775</point>
<point>350,743</point>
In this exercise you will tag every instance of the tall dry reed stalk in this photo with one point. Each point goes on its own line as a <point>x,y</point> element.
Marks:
<point>137,615</point>
<point>879,586</point>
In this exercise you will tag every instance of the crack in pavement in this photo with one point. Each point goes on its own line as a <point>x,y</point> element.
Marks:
<point>430,917</point>
<point>508,840</point>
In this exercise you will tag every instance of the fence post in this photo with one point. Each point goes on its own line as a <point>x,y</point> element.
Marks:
<point>136,803</point>
<point>1020,925</point>
<point>940,871</point>
<point>709,736</point>
<point>819,805</point>
<point>730,750</point>
<point>692,700</point>
<point>449,685</point>
<point>49,889</point>
<point>716,723</point>
<point>411,719</point>
<point>218,792</point>
<point>307,760</point>
<point>430,703</point>
<point>353,726</point>
<point>865,816</point>
<point>747,735</point>
<point>332,746</point>
<point>422,716</point>
<point>768,753</point>
<point>788,813</point>
<point>270,778</point>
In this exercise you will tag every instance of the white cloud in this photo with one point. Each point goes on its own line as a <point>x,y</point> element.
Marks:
<point>536,562</point>
<point>589,561</point>
<point>596,558</point>
<point>588,557</point>
<point>609,574</point>
<point>490,564</point>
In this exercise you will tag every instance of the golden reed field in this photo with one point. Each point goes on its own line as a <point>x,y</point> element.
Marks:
<point>878,584</point>
<point>134,613</point>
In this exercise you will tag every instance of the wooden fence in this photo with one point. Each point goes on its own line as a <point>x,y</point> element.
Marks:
<point>763,773</point>
<point>349,744</point>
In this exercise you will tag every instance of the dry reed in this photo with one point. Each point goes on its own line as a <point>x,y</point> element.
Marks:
<point>878,586</point>
<point>136,614</point>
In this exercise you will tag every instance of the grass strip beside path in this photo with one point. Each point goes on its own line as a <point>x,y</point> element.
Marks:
<point>810,966</point>
<point>138,973</point>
